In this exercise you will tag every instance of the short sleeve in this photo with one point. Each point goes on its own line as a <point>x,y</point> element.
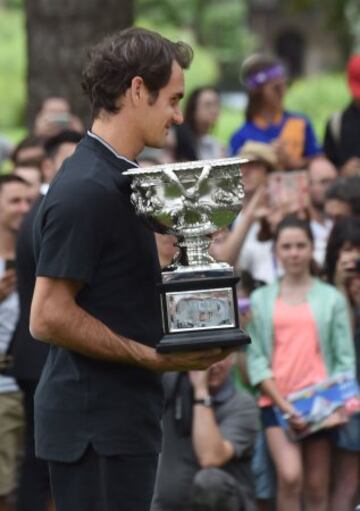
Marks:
<point>241,424</point>
<point>72,234</point>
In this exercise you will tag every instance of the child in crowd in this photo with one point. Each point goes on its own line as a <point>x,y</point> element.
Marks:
<point>267,121</point>
<point>301,335</point>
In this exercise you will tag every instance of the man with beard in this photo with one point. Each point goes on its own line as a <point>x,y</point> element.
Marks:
<point>321,174</point>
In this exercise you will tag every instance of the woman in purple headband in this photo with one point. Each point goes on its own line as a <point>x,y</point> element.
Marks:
<point>267,121</point>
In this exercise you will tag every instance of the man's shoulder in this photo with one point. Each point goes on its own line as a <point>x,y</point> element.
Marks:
<point>241,401</point>
<point>93,185</point>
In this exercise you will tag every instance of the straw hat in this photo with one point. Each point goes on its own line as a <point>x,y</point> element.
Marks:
<point>261,152</point>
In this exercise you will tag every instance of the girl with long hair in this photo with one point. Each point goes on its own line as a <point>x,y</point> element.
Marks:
<point>301,335</point>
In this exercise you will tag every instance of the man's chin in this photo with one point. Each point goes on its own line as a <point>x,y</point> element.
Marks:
<point>158,144</point>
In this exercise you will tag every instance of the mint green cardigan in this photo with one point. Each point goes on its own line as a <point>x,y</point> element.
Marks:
<point>333,325</point>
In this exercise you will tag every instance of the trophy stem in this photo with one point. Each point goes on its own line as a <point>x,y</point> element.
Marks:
<point>197,250</point>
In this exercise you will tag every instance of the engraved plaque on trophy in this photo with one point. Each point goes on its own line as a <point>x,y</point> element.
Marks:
<point>193,200</point>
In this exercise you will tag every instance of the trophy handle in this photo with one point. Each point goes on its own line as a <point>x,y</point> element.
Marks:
<point>193,192</point>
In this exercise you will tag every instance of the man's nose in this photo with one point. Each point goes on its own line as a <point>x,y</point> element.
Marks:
<point>25,206</point>
<point>178,116</point>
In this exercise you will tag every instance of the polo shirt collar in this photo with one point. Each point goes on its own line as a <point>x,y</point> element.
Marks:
<point>111,149</point>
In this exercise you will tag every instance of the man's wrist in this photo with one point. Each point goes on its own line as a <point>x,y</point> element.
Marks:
<point>205,401</point>
<point>201,393</point>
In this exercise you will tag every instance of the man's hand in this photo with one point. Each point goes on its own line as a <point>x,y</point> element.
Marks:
<point>57,318</point>
<point>7,284</point>
<point>199,381</point>
<point>197,360</point>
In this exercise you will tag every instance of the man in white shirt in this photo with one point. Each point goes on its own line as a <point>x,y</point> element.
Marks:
<point>321,174</point>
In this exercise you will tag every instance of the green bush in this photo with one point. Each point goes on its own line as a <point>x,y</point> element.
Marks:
<point>318,97</point>
<point>12,65</point>
<point>204,69</point>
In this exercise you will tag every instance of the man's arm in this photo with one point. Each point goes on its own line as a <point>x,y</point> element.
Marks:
<point>230,248</point>
<point>56,318</point>
<point>211,448</point>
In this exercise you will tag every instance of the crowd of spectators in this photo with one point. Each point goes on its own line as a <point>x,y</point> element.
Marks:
<point>298,258</point>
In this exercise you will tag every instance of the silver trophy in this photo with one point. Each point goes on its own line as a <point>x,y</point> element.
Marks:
<point>193,200</point>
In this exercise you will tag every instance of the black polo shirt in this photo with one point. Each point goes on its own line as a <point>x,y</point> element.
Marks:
<point>348,145</point>
<point>87,230</point>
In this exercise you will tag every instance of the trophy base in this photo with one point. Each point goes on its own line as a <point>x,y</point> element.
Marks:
<point>189,341</point>
<point>199,309</point>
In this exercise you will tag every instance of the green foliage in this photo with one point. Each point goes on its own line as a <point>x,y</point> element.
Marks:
<point>230,120</point>
<point>220,27</point>
<point>224,30</point>
<point>340,16</point>
<point>14,4</point>
<point>12,65</point>
<point>204,69</point>
<point>318,97</point>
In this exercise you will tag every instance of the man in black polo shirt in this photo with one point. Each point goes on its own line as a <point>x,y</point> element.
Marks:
<point>99,400</point>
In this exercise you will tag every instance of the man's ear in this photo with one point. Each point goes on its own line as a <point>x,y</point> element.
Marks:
<point>137,90</point>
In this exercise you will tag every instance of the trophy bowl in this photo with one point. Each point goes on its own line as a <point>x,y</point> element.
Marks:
<point>193,200</point>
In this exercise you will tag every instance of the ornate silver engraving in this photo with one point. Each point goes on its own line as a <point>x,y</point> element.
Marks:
<point>192,199</point>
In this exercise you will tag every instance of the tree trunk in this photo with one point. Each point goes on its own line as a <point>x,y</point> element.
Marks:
<point>59,32</point>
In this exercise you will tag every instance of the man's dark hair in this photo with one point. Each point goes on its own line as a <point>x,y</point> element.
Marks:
<point>11,178</point>
<point>346,189</point>
<point>117,59</point>
<point>52,144</point>
<point>30,141</point>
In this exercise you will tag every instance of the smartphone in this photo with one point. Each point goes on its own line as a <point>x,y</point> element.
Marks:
<point>289,189</point>
<point>9,264</point>
<point>61,119</point>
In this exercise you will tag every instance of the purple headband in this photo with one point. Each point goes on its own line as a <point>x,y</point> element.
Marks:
<point>261,77</point>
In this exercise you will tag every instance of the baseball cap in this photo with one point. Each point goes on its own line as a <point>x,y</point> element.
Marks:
<point>353,69</point>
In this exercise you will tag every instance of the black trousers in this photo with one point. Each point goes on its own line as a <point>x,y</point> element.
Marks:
<point>104,483</point>
<point>34,487</point>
